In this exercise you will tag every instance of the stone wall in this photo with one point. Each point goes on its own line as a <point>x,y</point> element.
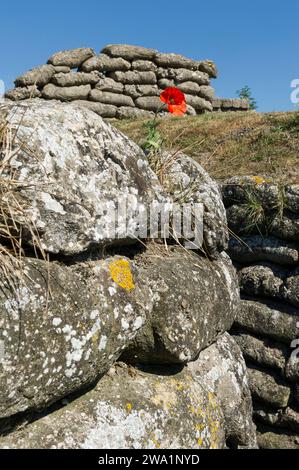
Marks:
<point>122,81</point>
<point>266,217</point>
<point>106,342</point>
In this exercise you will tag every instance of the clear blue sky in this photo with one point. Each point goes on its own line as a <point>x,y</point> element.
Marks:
<point>253,42</point>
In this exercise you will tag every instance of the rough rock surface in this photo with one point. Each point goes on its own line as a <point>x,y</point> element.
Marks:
<point>83,167</point>
<point>129,52</point>
<point>69,93</point>
<point>268,388</point>
<point>221,369</point>
<point>187,182</point>
<point>62,327</point>
<point>145,411</point>
<point>276,320</point>
<point>71,58</point>
<point>102,63</point>
<point>23,93</point>
<point>257,248</point>
<point>195,300</point>
<point>39,76</point>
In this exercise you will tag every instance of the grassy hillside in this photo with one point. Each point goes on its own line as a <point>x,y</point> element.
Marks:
<point>233,143</point>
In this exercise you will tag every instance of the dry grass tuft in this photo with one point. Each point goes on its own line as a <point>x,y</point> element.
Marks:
<point>232,143</point>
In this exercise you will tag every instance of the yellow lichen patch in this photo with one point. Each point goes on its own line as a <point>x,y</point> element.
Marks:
<point>120,271</point>
<point>259,180</point>
<point>199,441</point>
<point>155,442</point>
<point>129,407</point>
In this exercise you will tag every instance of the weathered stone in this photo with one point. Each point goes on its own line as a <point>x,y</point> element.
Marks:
<point>271,440</point>
<point>75,78</point>
<point>268,280</point>
<point>149,103</point>
<point>61,69</point>
<point>266,352</point>
<point>144,65</point>
<point>165,83</point>
<point>221,369</point>
<point>128,52</point>
<point>208,67</point>
<point>108,84</point>
<point>38,76</point>
<point>193,305</point>
<point>206,92</point>
<point>104,63</point>
<point>183,75</point>
<point>70,93</point>
<point>125,112</point>
<point>190,110</point>
<point>106,97</point>
<point>103,110</point>
<point>175,61</point>
<point>287,418</point>
<point>56,343</point>
<point>83,168</point>
<point>136,91</point>
<point>198,103</point>
<point>145,411</point>
<point>268,388</point>
<point>23,93</point>
<point>187,182</point>
<point>292,366</point>
<point>264,280</point>
<point>257,248</point>
<point>273,319</point>
<point>191,88</point>
<point>135,77</point>
<point>286,227</point>
<point>292,198</point>
<point>72,58</point>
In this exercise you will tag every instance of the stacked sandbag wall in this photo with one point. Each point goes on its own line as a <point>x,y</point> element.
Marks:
<point>121,82</point>
<point>264,221</point>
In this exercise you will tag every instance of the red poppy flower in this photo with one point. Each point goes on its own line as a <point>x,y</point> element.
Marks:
<point>175,100</point>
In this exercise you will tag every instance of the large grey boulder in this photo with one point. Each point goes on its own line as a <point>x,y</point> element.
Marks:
<point>188,183</point>
<point>221,369</point>
<point>83,169</point>
<point>63,326</point>
<point>72,58</point>
<point>131,409</point>
<point>195,301</point>
<point>38,76</point>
